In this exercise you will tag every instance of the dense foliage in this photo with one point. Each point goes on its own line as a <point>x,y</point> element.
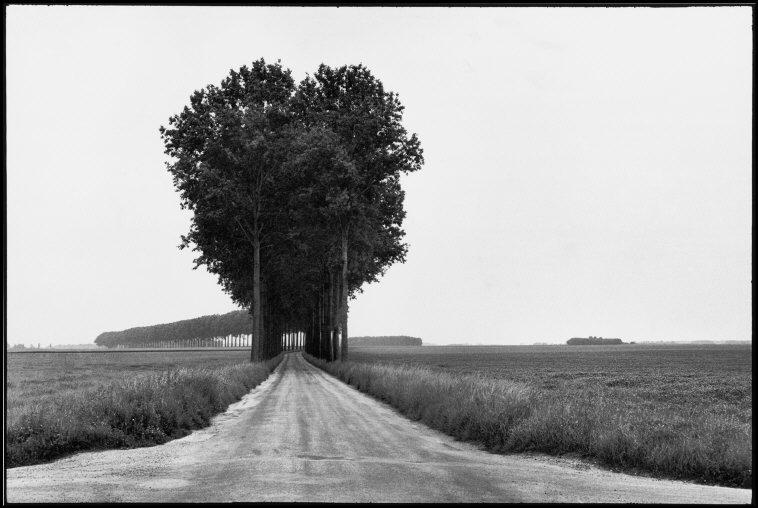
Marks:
<point>180,333</point>
<point>295,194</point>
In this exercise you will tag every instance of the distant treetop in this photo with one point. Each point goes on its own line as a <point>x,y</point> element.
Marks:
<point>581,341</point>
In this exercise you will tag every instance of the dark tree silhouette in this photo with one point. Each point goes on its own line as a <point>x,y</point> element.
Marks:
<point>181,333</point>
<point>296,194</point>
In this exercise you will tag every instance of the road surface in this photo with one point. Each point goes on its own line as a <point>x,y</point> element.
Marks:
<point>303,435</point>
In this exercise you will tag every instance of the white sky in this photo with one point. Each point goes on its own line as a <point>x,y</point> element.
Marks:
<point>588,171</point>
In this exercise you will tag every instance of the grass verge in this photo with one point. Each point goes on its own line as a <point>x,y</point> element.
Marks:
<point>508,416</point>
<point>144,410</point>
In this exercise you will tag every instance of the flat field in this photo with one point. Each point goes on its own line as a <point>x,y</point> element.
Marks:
<point>63,402</point>
<point>681,411</point>
<point>33,377</point>
<point>705,375</point>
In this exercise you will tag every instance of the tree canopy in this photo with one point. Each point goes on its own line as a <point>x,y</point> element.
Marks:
<point>295,193</point>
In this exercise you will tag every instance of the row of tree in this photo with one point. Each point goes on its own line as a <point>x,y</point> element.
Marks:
<point>295,193</point>
<point>205,330</point>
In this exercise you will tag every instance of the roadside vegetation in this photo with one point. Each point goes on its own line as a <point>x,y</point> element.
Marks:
<point>667,412</point>
<point>124,412</point>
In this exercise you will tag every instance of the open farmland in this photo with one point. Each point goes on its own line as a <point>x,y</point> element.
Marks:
<point>680,411</point>
<point>32,377</point>
<point>717,371</point>
<point>62,402</point>
<point>305,436</point>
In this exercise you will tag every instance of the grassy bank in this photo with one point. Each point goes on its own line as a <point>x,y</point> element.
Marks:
<point>132,411</point>
<point>712,447</point>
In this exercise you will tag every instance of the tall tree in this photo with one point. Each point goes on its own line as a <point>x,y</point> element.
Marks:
<point>352,104</point>
<point>296,194</point>
<point>227,146</point>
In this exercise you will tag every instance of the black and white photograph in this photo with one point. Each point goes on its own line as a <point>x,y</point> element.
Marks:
<point>378,254</point>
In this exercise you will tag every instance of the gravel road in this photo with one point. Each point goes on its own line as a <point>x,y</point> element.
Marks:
<point>303,435</point>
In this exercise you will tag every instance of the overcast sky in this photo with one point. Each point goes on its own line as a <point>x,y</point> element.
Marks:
<point>588,170</point>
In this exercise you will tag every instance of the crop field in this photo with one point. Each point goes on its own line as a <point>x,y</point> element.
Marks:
<point>678,411</point>
<point>688,374</point>
<point>671,411</point>
<point>36,376</point>
<point>62,402</point>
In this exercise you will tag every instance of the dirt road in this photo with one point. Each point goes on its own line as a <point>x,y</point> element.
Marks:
<point>303,435</point>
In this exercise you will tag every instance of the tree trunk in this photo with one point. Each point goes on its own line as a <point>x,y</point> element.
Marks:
<point>312,337</point>
<point>325,325</point>
<point>255,350</point>
<point>325,344</point>
<point>320,348</point>
<point>268,327</point>
<point>265,325</point>
<point>333,313</point>
<point>343,297</point>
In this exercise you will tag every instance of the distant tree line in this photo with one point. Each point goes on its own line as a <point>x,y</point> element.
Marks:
<point>591,341</point>
<point>228,330</point>
<point>23,346</point>
<point>295,194</point>
<point>385,340</point>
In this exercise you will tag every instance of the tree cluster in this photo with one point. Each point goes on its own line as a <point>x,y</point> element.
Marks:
<point>295,193</point>
<point>592,341</point>
<point>181,333</point>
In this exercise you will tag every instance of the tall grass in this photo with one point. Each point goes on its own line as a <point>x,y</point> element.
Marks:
<point>143,410</point>
<point>511,416</point>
